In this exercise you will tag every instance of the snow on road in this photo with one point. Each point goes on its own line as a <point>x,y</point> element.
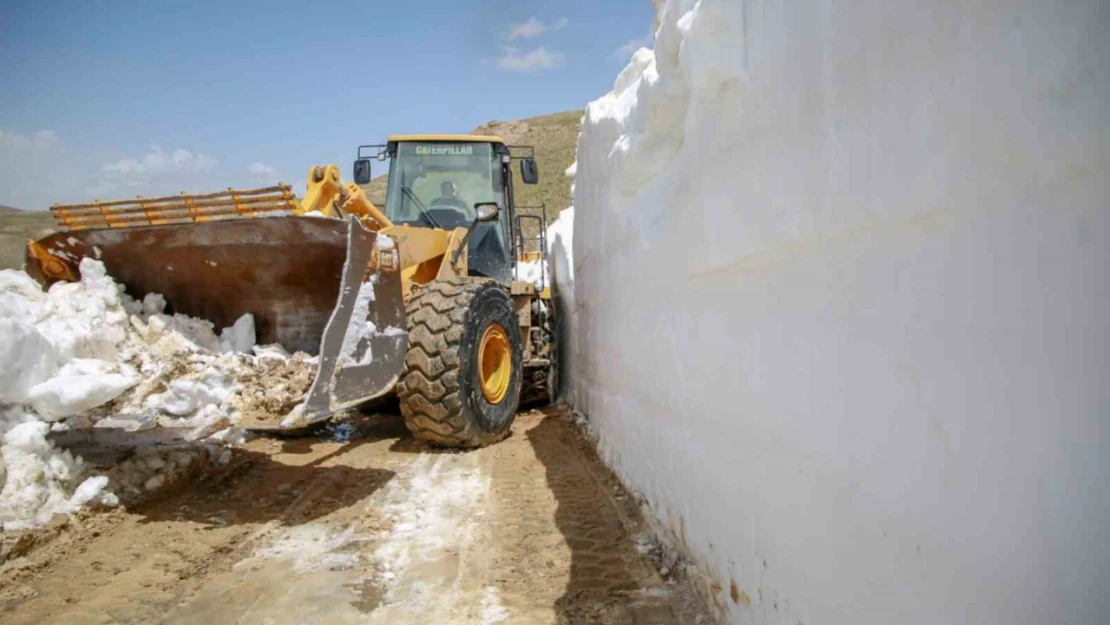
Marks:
<point>373,529</point>
<point>435,511</point>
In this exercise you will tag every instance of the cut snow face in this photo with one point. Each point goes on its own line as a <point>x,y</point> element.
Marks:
<point>869,311</point>
<point>84,351</point>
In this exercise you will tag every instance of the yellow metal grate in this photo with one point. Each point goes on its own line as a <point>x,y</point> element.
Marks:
<point>184,208</point>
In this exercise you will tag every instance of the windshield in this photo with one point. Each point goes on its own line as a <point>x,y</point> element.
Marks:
<point>437,184</point>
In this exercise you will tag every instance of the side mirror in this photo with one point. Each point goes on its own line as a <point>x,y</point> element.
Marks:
<point>529,172</point>
<point>362,171</point>
<point>487,211</point>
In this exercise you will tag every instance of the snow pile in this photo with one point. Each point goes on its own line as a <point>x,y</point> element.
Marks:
<point>83,351</point>
<point>840,304</point>
<point>39,480</point>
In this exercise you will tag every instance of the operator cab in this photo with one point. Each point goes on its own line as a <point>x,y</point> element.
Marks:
<point>436,181</point>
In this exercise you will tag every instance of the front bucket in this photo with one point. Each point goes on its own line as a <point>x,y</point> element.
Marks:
<point>299,277</point>
<point>284,271</point>
<point>364,344</point>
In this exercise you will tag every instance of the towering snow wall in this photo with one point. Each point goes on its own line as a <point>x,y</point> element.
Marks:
<point>842,295</point>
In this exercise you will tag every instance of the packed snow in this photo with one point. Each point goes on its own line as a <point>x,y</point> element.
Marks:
<point>312,547</point>
<point>82,352</point>
<point>360,328</point>
<point>840,304</point>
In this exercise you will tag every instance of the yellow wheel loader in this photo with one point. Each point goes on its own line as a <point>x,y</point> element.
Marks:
<point>418,298</point>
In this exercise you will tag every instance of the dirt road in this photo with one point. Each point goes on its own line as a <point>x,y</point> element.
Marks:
<point>374,529</point>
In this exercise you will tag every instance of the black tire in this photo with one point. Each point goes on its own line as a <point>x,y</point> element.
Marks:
<point>440,388</point>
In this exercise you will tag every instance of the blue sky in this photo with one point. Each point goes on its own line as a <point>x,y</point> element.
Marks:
<point>120,98</point>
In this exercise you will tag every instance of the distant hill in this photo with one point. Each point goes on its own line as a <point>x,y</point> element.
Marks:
<point>16,226</point>
<point>555,138</point>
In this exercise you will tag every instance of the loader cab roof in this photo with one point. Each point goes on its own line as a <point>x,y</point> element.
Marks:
<point>451,138</point>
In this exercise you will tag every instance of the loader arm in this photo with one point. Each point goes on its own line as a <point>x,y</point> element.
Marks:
<point>325,193</point>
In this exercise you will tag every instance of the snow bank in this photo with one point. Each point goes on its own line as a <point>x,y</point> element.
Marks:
<point>84,351</point>
<point>841,294</point>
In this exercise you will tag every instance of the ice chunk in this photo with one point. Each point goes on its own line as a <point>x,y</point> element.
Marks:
<point>80,385</point>
<point>27,358</point>
<point>85,319</point>
<point>273,350</point>
<point>239,337</point>
<point>21,298</point>
<point>197,331</point>
<point>90,489</point>
<point>186,396</point>
<point>153,304</point>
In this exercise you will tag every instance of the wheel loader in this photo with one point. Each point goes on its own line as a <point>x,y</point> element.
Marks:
<point>418,298</point>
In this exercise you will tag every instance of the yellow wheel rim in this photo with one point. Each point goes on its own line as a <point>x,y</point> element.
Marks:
<point>495,363</point>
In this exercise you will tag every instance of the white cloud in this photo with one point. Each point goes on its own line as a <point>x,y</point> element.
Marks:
<point>628,48</point>
<point>157,162</point>
<point>513,60</point>
<point>157,173</point>
<point>262,171</point>
<point>534,27</point>
<point>36,170</point>
<point>39,141</point>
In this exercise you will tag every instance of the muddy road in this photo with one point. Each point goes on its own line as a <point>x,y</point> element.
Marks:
<point>374,529</point>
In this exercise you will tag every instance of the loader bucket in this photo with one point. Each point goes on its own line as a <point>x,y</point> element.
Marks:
<point>299,277</point>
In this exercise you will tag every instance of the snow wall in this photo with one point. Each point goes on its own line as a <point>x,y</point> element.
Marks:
<point>841,304</point>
